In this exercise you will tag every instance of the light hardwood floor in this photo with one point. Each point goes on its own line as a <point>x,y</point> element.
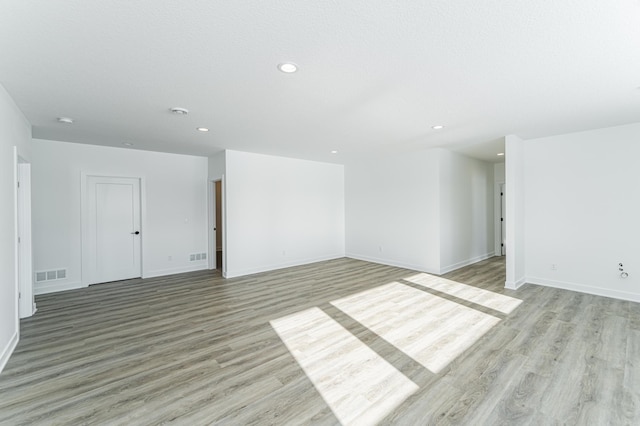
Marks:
<point>285,347</point>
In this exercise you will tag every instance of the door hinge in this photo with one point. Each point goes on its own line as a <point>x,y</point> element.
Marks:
<point>18,184</point>
<point>501,219</point>
<point>501,194</point>
<point>19,295</point>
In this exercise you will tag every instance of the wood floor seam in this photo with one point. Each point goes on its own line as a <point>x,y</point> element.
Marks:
<point>198,349</point>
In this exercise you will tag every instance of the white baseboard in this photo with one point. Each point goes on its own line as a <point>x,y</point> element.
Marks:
<point>458,265</point>
<point>514,285</point>
<point>44,288</point>
<point>8,350</point>
<point>53,287</point>
<point>582,288</point>
<point>298,262</point>
<point>419,268</point>
<point>199,266</point>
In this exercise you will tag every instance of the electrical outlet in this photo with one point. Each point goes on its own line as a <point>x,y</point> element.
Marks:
<point>169,258</point>
<point>554,267</point>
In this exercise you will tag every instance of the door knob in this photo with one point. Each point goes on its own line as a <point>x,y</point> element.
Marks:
<point>135,233</point>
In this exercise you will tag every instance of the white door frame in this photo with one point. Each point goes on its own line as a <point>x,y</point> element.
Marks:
<point>212,224</point>
<point>85,222</point>
<point>497,215</point>
<point>24,249</point>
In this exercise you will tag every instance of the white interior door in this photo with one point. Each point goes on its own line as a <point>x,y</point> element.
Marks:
<point>114,234</point>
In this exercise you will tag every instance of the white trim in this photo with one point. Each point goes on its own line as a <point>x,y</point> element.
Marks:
<point>511,285</point>
<point>200,266</point>
<point>8,350</point>
<point>25,254</point>
<point>44,288</point>
<point>445,269</point>
<point>583,288</point>
<point>241,273</point>
<point>497,206</point>
<point>6,353</point>
<point>211,221</point>
<point>223,210</point>
<point>211,211</point>
<point>143,221</point>
<point>388,262</point>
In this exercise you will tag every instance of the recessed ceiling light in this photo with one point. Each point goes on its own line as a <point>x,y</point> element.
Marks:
<point>202,129</point>
<point>500,154</point>
<point>65,120</point>
<point>334,152</point>
<point>127,144</point>
<point>288,67</point>
<point>179,111</point>
<point>438,127</point>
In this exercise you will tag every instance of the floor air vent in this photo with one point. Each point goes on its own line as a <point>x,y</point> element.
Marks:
<point>55,274</point>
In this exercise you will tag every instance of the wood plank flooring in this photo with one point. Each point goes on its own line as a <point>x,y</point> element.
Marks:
<point>197,349</point>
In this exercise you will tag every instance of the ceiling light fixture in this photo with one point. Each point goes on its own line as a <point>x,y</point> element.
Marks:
<point>334,152</point>
<point>179,111</point>
<point>127,144</point>
<point>288,67</point>
<point>65,120</point>
<point>500,154</point>
<point>438,127</point>
<point>202,129</point>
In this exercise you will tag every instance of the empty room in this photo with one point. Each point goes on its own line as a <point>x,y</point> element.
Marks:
<point>282,212</point>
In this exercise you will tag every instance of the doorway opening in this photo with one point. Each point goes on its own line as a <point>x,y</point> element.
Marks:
<point>216,240</point>
<point>26,294</point>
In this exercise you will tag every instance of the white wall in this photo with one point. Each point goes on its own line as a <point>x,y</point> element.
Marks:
<point>499,173</point>
<point>174,206</point>
<point>466,210</point>
<point>583,210</point>
<point>392,210</point>
<point>15,131</point>
<point>217,165</point>
<point>430,210</point>
<point>515,211</point>
<point>281,212</point>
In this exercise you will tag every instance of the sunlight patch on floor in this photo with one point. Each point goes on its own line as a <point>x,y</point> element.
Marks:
<point>359,385</point>
<point>479,296</point>
<point>431,330</point>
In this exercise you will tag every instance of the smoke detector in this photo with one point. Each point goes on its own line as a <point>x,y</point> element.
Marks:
<point>179,111</point>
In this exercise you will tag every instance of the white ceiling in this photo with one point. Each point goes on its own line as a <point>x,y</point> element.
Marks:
<point>374,77</point>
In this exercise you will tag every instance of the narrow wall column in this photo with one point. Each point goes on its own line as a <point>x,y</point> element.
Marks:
<point>515,187</point>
